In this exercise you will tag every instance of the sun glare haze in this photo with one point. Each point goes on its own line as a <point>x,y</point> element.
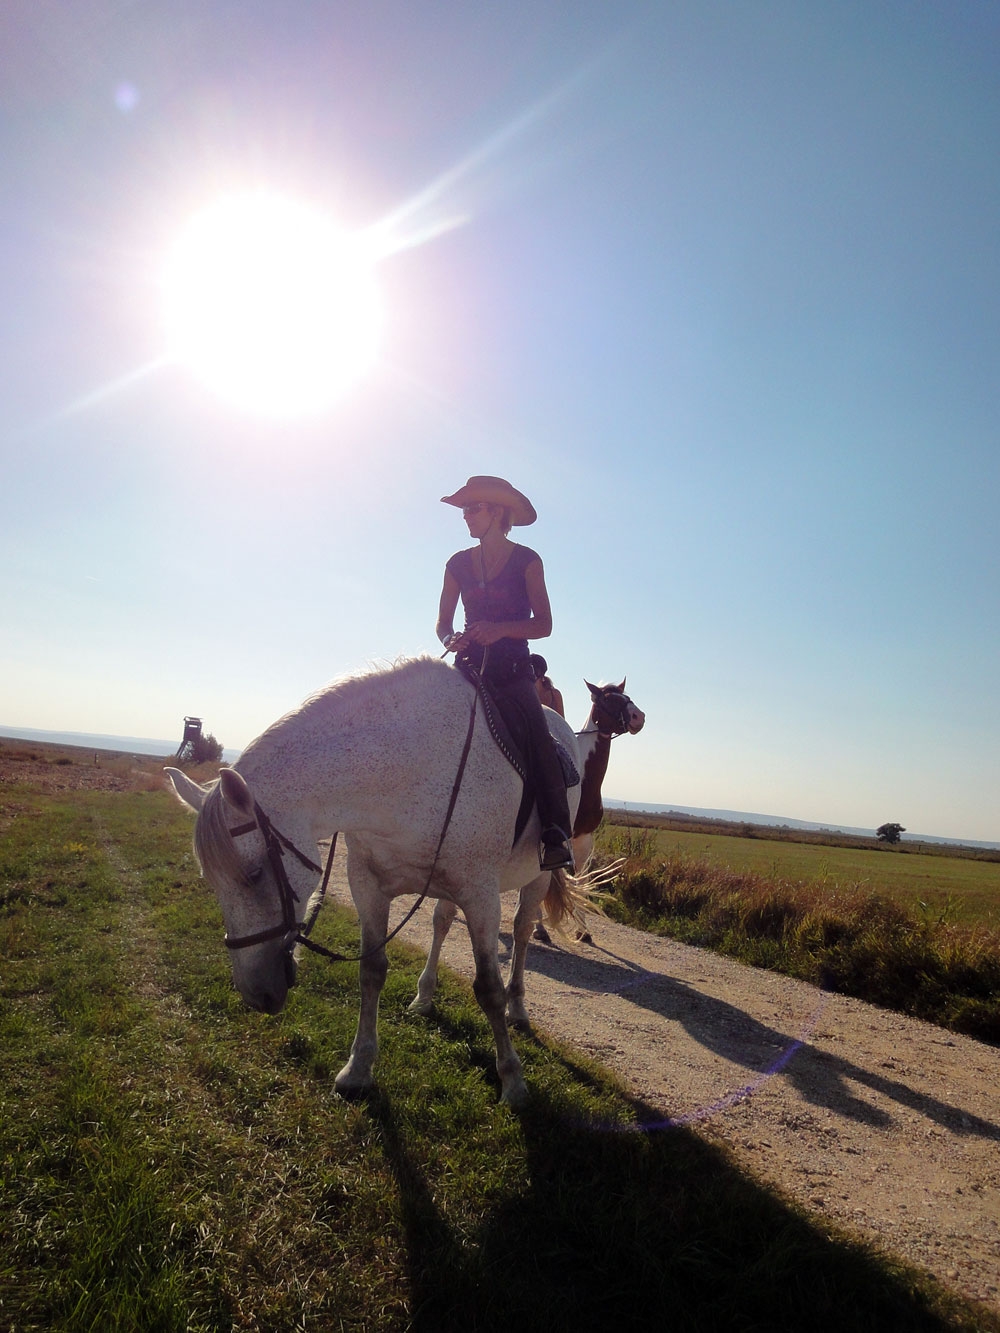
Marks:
<point>269,305</point>
<point>714,284</point>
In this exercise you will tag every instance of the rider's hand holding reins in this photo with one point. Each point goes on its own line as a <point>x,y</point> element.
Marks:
<point>485,632</point>
<point>454,643</point>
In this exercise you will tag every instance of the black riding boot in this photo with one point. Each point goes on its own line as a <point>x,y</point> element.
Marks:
<point>556,850</point>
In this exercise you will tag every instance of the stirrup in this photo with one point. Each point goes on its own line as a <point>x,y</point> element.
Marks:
<point>556,855</point>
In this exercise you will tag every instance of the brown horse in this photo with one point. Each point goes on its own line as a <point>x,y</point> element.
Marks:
<point>612,714</point>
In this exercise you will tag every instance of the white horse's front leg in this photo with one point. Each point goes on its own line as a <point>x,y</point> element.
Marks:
<point>444,915</point>
<point>483,918</point>
<point>356,1076</point>
<point>528,902</point>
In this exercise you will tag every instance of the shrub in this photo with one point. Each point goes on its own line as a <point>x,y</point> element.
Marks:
<point>204,750</point>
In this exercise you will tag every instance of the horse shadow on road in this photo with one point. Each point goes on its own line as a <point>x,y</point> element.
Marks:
<point>821,1078</point>
<point>623,1230</point>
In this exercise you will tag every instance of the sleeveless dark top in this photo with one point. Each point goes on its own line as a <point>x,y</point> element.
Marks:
<point>504,597</point>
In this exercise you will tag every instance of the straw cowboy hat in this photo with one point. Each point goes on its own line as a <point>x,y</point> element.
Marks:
<point>494,491</point>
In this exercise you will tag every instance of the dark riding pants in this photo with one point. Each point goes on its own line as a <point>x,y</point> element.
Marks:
<point>550,783</point>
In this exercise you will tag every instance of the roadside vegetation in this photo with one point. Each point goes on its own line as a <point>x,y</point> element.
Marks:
<point>171,1161</point>
<point>876,924</point>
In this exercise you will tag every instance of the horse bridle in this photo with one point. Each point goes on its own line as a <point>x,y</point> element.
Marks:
<point>619,717</point>
<point>291,931</point>
<point>276,844</point>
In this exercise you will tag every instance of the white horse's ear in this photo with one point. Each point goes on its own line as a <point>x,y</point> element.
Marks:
<point>187,791</point>
<point>235,792</point>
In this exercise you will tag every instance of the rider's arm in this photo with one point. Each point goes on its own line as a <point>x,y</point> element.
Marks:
<point>445,628</point>
<point>540,624</point>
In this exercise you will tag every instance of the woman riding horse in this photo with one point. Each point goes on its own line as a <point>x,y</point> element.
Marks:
<point>502,587</point>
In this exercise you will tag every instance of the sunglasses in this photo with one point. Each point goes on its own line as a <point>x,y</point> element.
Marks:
<point>469,510</point>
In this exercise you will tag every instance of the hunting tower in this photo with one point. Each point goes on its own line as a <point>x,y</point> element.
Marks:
<point>192,734</point>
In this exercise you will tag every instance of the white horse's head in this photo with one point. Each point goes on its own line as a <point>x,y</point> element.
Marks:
<point>233,856</point>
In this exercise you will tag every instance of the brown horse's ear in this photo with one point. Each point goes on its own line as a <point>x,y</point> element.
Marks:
<point>595,690</point>
<point>235,792</point>
<point>620,689</point>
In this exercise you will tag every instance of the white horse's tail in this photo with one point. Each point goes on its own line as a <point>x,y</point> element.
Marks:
<point>570,897</point>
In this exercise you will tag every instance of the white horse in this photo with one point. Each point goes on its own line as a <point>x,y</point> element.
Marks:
<point>376,758</point>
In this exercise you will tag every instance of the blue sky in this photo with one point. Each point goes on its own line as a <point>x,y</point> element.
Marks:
<point>716,284</point>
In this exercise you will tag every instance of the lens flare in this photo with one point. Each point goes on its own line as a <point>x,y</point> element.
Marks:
<point>270,305</point>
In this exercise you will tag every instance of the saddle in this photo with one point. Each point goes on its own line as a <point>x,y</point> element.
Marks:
<point>507,727</point>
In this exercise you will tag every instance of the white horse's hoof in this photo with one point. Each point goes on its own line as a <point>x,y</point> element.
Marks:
<point>516,1097</point>
<point>422,1007</point>
<point>349,1086</point>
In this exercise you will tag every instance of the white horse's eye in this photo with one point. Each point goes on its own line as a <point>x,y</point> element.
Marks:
<point>254,875</point>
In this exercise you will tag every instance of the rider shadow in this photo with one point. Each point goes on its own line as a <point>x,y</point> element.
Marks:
<point>819,1077</point>
<point>451,1276</point>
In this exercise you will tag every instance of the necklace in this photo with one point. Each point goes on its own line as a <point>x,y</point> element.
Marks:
<point>487,571</point>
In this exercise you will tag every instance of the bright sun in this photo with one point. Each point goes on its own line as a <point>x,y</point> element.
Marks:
<point>270,305</point>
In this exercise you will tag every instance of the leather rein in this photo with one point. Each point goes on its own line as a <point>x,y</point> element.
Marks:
<point>293,932</point>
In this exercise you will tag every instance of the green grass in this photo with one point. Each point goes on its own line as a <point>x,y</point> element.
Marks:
<point>967,890</point>
<point>171,1161</point>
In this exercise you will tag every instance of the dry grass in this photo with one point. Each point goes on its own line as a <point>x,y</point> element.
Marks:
<point>59,768</point>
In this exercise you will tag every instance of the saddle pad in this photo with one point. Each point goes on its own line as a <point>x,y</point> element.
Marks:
<point>513,752</point>
<point>511,749</point>
<point>569,769</point>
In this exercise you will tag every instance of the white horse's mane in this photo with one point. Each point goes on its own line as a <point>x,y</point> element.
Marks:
<point>214,846</point>
<point>348,691</point>
<point>213,843</point>
<point>344,688</point>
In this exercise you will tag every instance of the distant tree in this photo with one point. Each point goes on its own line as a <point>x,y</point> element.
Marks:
<point>889,832</point>
<point>205,749</point>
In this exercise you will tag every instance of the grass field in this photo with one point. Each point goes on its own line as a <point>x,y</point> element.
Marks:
<point>170,1161</point>
<point>964,889</point>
